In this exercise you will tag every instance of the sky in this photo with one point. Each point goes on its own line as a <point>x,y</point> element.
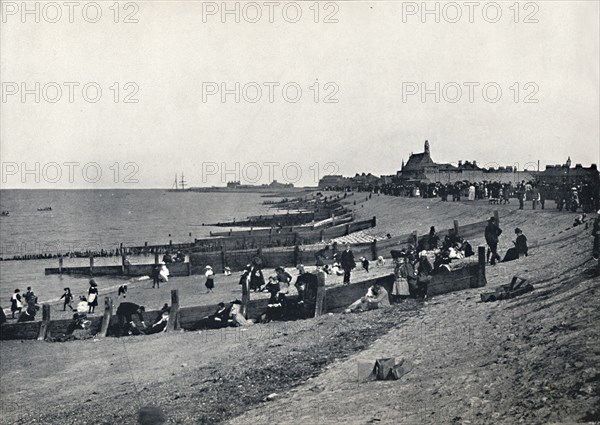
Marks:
<point>99,96</point>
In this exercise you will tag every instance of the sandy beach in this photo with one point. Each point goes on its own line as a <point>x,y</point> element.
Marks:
<point>532,359</point>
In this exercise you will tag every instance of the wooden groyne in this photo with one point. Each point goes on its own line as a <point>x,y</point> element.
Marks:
<point>295,249</point>
<point>132,270</point>
<point>336,298</point>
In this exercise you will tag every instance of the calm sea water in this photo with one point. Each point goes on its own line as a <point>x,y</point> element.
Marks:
<point>102,219</point>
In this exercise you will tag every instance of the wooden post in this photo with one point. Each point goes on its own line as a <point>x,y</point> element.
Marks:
<point>91,265</point>
<point>156,257</point>
<point>497,218</point>
<point>321,235</point>
<point>415,238</point>
<point>347,232</point>
<point>374,221</point>
<point>189,266</point>
<point>320,301</point>
<point>481,280</point>
<point>455,227</point>
<point>374,249</point>
<point>108,308</point>
<point>60,264</point>
<point>245,295</point>
<point>45,322</point>
<point>122,262</point>
<point>173,323</point>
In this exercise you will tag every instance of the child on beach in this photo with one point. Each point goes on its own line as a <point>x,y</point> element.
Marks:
<point>210,279</point>
<point>15,302</point>
<point>68,296</point>
<point>92,298</point>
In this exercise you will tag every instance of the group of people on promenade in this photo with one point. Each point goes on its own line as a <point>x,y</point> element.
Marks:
<point>571,195</point>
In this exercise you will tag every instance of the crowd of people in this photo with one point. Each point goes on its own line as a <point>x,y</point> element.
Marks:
<point>572,195</point>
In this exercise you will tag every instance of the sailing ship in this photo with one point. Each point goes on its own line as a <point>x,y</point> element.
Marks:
<point>179,185</point>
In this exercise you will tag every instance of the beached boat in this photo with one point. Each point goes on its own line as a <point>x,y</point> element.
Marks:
<point>45,209</point>
<point>5,213</point>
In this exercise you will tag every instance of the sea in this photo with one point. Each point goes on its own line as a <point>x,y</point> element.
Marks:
<point>81,220</point>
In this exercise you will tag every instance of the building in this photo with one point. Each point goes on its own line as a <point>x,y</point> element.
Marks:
<point>565,174</point>
<point>421,168</point>
<point>334,181</point>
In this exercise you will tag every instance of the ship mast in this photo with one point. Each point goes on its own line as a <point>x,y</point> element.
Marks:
<point>182,182</point>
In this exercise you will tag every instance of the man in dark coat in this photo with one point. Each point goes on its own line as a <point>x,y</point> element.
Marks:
<point>125,311</point>
<point>347,263</point>
<point>492,233</point>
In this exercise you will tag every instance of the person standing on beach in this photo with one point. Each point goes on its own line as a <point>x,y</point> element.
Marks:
<point>347,263</point>
<point>28,294</point>
<point>92,298</point>
<point>210,279</point>
<point>492,234</point>
<point>68,296</point>
<point>15,302</point>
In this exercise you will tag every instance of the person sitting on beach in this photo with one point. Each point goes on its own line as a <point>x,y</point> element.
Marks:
<point>272,287</point>
<point>160,324</point>
<point>322,255</point>
<point>219,319</point>
<point>125,311</point>
<point>442,262</point>
<point>579,220</point>
<point>519,249</point>
<point>167,258</point>
<point>180,257</point>
<point>227,271</point>
<point>376,297</point>
<point>68,296</point>
<point>364,263</point>
<point>29,314</point>
<point>82,305</point>
<point>236,315</point>
<point>284,279</point>
<point>304,282</point>
<point>257,279</point>
<point>467,249</point>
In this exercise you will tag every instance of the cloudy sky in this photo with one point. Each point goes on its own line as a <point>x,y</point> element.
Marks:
<point>357,90</point>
